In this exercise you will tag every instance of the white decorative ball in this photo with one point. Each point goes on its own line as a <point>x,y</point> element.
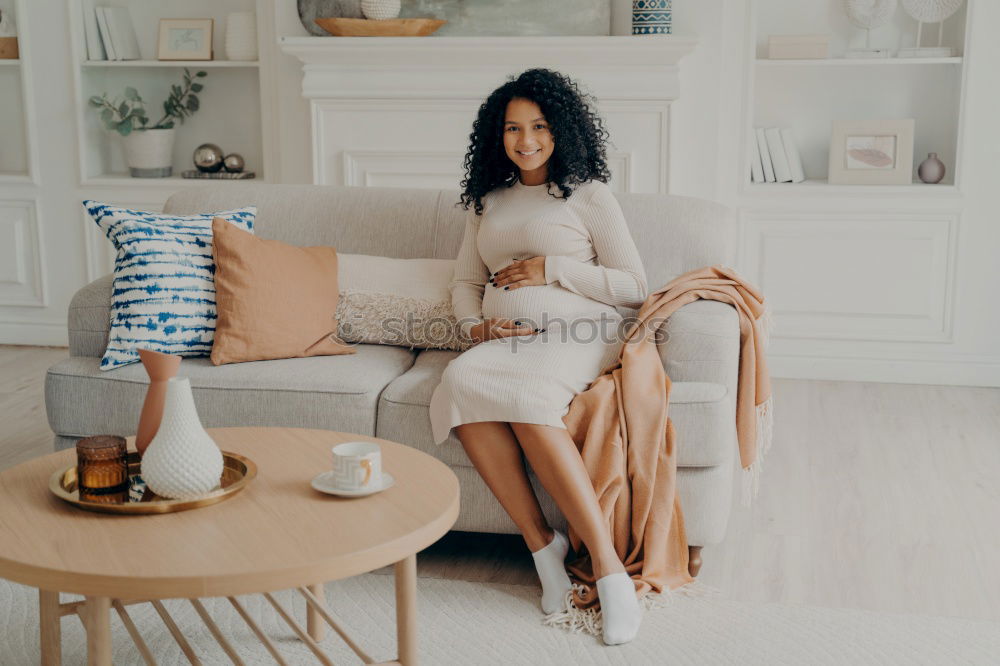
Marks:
<point>380,9</point>
<point>869,14</point>
<point>931,11</point>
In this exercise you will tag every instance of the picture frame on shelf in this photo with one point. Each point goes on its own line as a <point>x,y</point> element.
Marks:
<point>185,39</point>
<point>871,152</point>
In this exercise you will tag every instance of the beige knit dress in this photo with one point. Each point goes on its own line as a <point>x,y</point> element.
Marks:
<point>591,265</point>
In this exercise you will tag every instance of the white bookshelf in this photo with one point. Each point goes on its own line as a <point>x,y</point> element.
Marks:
<point>17,164</point>
<point>806,96</point>
<point>233,103</point>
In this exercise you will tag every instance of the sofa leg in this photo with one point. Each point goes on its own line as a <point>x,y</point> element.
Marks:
<point>694,560</point>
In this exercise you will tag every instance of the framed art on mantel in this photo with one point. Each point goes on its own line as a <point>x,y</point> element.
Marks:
<point>871,152</point>
<point>185,39</point>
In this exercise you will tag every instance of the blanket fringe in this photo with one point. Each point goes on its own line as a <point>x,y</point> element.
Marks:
<point>765,435</point>
<point>589,620</point>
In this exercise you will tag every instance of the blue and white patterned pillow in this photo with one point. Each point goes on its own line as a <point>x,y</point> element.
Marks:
<point>164,282</point>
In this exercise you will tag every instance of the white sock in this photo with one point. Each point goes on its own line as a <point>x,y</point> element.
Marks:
<point>550,562</point>
<point>620,608</point>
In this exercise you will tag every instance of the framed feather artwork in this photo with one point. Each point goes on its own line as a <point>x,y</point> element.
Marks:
<point>871,152</point>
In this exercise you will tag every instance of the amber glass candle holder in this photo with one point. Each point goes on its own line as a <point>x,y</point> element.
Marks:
<point>102,469</point>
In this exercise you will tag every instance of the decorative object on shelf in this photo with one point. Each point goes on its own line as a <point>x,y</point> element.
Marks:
<point>233,163</point>
<point>776,147</point>
<point>185,39</point>
<point>102,469</point>
<point>145,303</point>
<point>218,175</point>
<point>310,10</point>
<point>8,36</point>
<point>160,367</point>
<point>931,170</point>
<point>208,158</point>
<point>149,149</point>
<point>408,27</point>
<point>241,36</point>
<point>182,461</point>
<point>868,14</point>
<point>651,17</point>
<point>380,10</point>
<point>871,152</point>
<point>117,35</point>
<point>798,47</point>
<point>929,11</point>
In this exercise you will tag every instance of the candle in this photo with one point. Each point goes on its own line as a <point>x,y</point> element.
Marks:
<point>102,469</point>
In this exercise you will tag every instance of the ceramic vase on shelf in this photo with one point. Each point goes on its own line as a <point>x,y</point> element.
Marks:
<point>651,17</point>
<point>160,367</point>
<point>241,36</point>
<point>931,170</point>
<point>149,152</point>
<point>380,9</point>
<point>182,461</point>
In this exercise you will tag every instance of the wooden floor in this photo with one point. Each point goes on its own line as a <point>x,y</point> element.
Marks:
<point>875,496</point>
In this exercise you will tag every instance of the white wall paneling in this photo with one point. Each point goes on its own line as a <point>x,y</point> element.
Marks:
<point>851,276</point>
<point>22,267</point>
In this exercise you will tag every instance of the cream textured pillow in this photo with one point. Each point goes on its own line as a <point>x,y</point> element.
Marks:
<point>404,302</point>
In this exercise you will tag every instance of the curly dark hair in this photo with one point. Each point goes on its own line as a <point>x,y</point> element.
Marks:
<point>578,136</point>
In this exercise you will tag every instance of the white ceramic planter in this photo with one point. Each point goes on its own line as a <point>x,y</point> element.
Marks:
<point>182,461</point>
<point>149,152</point>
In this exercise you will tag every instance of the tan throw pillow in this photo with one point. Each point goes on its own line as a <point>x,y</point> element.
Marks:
<point>405,302</point>
<point>273,300</point>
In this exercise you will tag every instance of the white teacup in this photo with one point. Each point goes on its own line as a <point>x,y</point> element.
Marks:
<point>357,466</point>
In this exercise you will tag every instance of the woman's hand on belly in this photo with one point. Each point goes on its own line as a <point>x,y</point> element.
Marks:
<point>521,273</point>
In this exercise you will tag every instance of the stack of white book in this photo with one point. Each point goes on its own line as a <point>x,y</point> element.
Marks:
<point>774,156</point>
<point>110,34</point>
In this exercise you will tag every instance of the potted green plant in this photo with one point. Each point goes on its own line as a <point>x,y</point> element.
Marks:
<point>149,148</point>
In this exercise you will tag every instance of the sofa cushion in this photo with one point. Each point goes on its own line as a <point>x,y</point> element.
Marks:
<point>331,392</point>
<point>164,292</point>
<point>702,413</point>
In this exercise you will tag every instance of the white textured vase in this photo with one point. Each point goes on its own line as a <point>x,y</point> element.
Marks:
<point>182,461</point>
<point>380,9</point>
<point>241,36</point>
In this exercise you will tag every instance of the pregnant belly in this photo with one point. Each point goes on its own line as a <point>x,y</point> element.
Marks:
<point>543,305</point>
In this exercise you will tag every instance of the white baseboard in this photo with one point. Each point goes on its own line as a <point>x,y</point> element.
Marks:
<point>960,371</point>
<point>34,333</point>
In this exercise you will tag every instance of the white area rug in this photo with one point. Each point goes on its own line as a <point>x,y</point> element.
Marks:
<point>488,623</point>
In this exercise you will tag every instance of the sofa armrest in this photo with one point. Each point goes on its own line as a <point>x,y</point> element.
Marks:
<point>702,344</point>
<point>89,318</point>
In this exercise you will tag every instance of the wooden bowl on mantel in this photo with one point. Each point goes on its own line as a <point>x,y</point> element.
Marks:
<point>356,27</point>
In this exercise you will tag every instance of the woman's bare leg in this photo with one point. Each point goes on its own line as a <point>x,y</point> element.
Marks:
<point>496,454</point>
<point>557,463</point>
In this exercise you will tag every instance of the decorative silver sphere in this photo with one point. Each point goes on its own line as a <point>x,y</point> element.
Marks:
<point>233,162</point>
<point>208,157</point>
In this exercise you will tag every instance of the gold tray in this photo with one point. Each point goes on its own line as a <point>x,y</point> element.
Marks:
<point>397,27</point>
<point>237,472</point>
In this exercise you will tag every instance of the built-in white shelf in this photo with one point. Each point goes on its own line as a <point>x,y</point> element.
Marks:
<point>14,178</point>
<point>172,182</point>
<point>854,62</point>
<point>821,187</point>
<point>170,63</point>
<point>10,62</point>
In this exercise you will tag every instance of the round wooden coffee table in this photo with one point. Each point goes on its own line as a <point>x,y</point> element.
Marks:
<point>277,533</point>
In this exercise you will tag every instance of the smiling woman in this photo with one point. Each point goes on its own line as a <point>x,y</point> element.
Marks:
<point>545,260</point>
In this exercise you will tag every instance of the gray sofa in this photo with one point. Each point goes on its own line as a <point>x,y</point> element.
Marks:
<point>384,390</point>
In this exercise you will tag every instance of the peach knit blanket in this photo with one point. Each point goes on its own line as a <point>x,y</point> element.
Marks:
<point>621,426</point>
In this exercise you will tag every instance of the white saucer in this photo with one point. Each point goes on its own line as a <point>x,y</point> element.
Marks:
<point>323,483</point>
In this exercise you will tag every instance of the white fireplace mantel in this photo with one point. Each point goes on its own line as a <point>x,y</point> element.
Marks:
<point>363,66</point>
<point>396,111</point>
